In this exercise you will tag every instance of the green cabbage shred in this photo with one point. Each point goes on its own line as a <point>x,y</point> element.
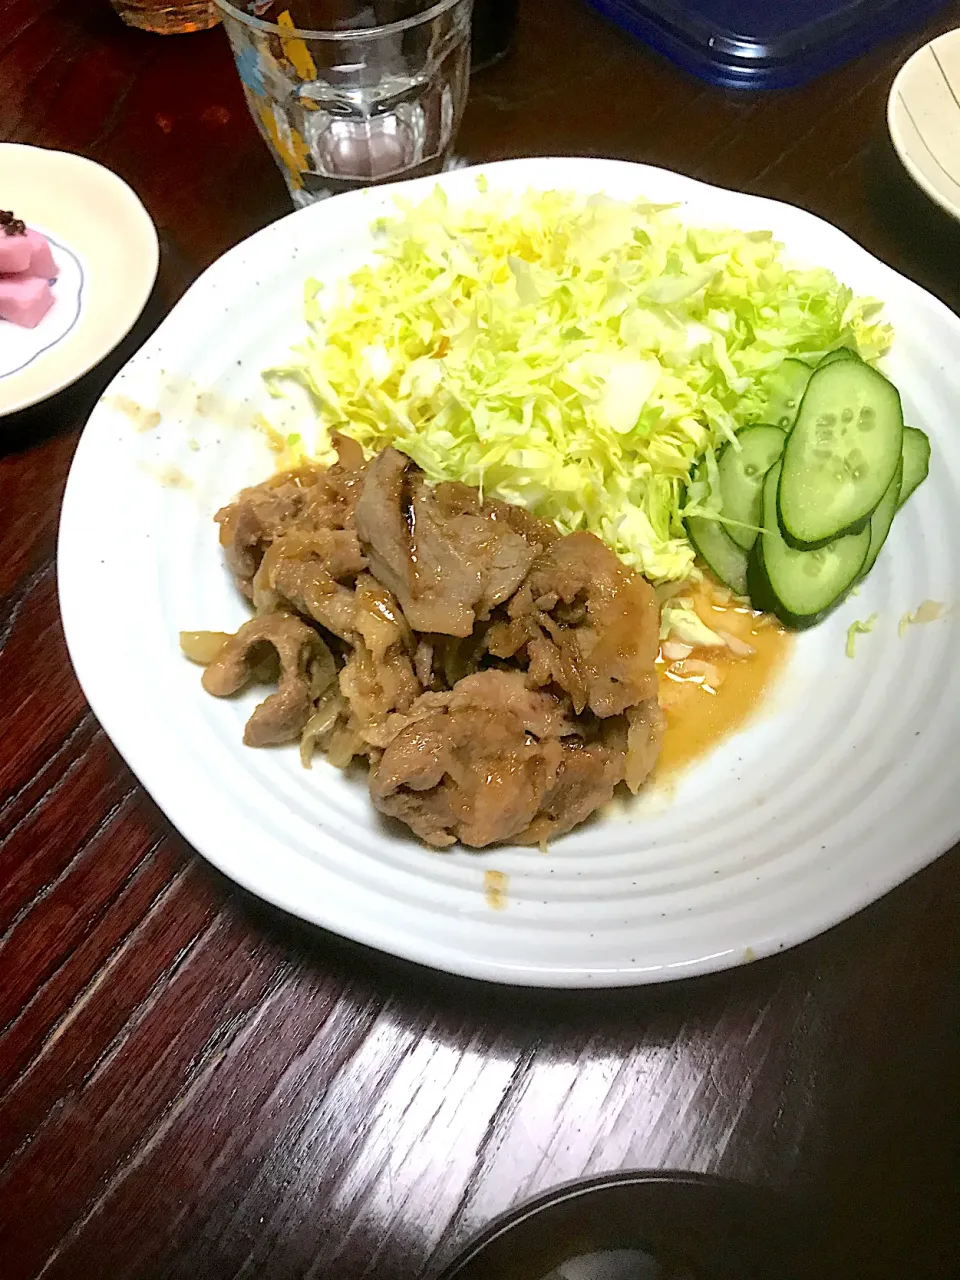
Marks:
<point>679,620</point>
<point>858,629</point>
<point>574,355</point>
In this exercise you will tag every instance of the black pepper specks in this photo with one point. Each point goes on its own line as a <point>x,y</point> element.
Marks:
<point>11,225</point>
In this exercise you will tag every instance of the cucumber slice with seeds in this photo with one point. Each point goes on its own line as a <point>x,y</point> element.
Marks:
<point>882,519</point>
<point>741,477</point>
<point>916,462</point>
<point>785,390</point>
<point>800,587</point>
<point>841,455</point>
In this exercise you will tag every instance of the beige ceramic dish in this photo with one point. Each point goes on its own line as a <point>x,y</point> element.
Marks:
<point>106,247</point>
<point>923,115</point>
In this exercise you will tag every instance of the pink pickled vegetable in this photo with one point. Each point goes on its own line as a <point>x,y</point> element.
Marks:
<point>24,299</point>
<point>41,256</point>
<point>15,253</point>
<point>26,268</point>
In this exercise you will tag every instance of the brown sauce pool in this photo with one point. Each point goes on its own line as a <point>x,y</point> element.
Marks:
<point>709,695</point>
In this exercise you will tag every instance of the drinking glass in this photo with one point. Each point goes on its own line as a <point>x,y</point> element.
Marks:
<point>348,93</point>
<point>168,17</point>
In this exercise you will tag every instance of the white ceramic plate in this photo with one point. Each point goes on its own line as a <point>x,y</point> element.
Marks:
<point>842,789</point>
<point>923,115</point>
<point>106,247</point>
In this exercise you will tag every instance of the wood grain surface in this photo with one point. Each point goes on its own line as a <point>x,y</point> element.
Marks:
<point>193,1085</point>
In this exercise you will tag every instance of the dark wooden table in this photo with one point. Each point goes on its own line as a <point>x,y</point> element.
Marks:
<point>192,1084</point>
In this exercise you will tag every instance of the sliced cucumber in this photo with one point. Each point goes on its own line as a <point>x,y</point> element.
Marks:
<point>741,476</point>
<point>840,353</point>
<point>785,390</point>
<point>719,552</point>
<point>841,454</point>
<point>882,519</point>
<point>800,586</point>
<point>916,462</point>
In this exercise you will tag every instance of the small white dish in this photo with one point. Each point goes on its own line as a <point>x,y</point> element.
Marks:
<point>841,789</point>
<point>105,245</point>
<point>923,116</point>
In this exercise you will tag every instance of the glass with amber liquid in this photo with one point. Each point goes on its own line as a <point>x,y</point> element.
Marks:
<point>168,17</point>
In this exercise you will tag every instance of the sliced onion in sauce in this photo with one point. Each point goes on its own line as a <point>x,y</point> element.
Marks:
<point>697,671</point>
<point>203,646</point>
<point>737,646</point>
<point>344,745</point>
<point>323,669</point>
<point>320,724</point>
<point>674,650</point>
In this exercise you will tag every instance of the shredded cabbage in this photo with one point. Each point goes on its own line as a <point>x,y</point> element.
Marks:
<point>858,629</point>
<point>679,620</point>
<point>574,355</point>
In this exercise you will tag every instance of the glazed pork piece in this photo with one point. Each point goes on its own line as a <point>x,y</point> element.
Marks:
<point>449,558</point>
<point>497,678</point>
<point>307,500</point>
<point>495,760</point>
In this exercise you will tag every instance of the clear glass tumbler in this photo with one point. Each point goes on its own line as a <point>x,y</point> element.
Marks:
<point>348,93</point>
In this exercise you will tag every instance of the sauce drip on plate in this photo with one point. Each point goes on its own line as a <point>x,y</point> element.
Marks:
<point>495,889</point>
<point>711,694</point>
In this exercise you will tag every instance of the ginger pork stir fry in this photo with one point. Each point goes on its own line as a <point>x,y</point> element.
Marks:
<point>498,678</point>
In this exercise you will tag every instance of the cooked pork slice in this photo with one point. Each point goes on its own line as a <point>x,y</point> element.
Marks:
<point>645,725</point>
<point>448,557</point>
<point>309,498</point>
<point>259,515</point>
<point>477,778</point>
<point>382,523</point>
<point>375,690</point>
<point>473,764</point>
<point>587,778</point>
<point>306,669</point>
<point>378,678</point>
<point>498,678</point>
<point>379,619</point>
<point>312,573</point>
<point>540,713</point>
<point>585,622</point>
<point>535,531</point>
<point>451,524</point>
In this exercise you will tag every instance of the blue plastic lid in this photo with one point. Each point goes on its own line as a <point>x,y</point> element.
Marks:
<point>764,44</point>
